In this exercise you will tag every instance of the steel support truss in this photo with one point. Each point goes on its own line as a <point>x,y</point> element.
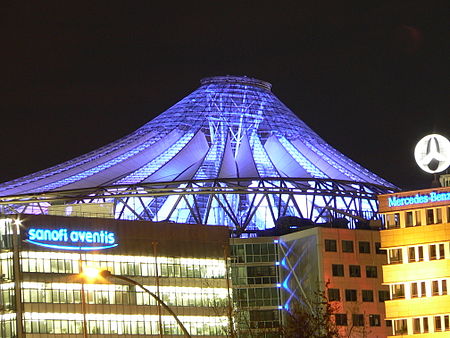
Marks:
<point>241,204</point>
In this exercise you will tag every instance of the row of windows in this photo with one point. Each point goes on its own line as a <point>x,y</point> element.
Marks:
<point>354,270</point>
<point>419,289</point>
<point>417,253</point>
<point>357,319</point>
<point>256,297</point>
<point>126,297</point>
<point>56,326</point>
<point>417,217</point>
<point>264,319</point>
<point>247,275</point>
<point>348,246</point>
<point>351,295</point>
<point>422,325</point>
<point>123,268</point>
<point>250,253</point>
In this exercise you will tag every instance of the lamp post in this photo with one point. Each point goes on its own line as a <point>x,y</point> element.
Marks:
<point>107,274</point>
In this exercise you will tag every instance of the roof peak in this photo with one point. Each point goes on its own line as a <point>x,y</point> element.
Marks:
<point>242,80</point>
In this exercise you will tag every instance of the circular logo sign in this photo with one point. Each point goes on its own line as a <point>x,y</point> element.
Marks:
<point>432,153</point>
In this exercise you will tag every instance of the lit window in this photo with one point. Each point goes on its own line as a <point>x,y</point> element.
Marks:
<point>395,256</point>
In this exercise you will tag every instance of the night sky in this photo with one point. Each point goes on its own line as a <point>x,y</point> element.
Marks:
<point>371,79</point>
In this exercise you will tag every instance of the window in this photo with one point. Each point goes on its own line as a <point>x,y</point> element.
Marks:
<point>398,291</point>
<point>411,254</point>
<point>371,271</point>
<point>347,246</point>
<point>354,270</point>
<point>350,295</point>
<point>425,324</point>
<point>409,219</point>
<point>330,245</point>
<point>364,247</point>
<point>446,323</point>
<point>367,295</point>
<point>432,252</point>
<point>414,290</point>
<point>393,220</point>
<point>423,290</point>
<point>444,287</point>
<point>358,319</point>
<point>418,218</point>
<point>441,251</point>
<point>338,270</point>
<point>378,249</point>
<point>395,256</point>
<point>435,288</point>
<point>416,325</point>
<point>420,249</point>
<point>430,216</point>
<point>400,327</point>
<point>374,320</point>
<point>383,295</point>
<point>333,295</point>
<point>341,319</point>
<point>437,323</point>
<point>438,215</point>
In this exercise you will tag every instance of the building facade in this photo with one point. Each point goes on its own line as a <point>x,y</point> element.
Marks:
<point>417,239</point>
<point>44,293</point>
<point>256,286</point>
<point>273,275</point>
<point>346,264</point>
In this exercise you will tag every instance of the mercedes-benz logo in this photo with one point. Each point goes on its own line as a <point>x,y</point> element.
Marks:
<point>432,153</point>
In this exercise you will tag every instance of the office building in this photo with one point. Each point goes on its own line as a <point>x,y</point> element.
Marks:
<point>44,293</point>
<point>417,239</point>
<point>271,275</point>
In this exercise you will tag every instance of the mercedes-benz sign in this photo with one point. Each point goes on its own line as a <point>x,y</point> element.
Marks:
<point>432,153</point>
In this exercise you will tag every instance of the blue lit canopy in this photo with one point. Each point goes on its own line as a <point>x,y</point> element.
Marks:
<point>229,153</point>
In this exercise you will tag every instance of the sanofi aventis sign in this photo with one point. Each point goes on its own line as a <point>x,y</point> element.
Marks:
<point>395,201</point>
<point>65,239</point>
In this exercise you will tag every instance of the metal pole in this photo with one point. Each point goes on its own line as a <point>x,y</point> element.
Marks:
<point>106,274</point>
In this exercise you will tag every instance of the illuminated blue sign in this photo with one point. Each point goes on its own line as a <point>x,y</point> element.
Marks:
<point>72,239</point>
<point>418,199</point>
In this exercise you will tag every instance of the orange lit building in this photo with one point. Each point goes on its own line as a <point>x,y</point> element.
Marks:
<point>417,239</point>
<point>346,263</point>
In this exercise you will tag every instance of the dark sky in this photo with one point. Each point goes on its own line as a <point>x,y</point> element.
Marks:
<point>371,79</point>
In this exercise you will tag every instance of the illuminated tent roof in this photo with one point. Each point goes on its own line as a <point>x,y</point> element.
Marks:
<point>230,127</point>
